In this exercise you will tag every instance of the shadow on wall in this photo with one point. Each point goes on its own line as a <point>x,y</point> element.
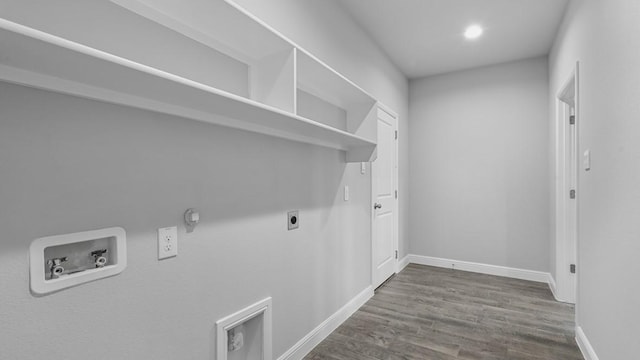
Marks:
<point>75,165</point>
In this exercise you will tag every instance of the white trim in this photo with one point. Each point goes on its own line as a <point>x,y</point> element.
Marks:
<point>584,345</point>
<point>576,250</point>
<point>402,263</point>
<point>566,210</point>
<point>515,273</point>
<point>396,181</point>
<point>552,287</point>
<point>261,308</point>
<point>313,338</point>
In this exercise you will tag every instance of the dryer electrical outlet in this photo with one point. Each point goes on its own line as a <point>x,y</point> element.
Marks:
<point>167,242</point>
<point>293,220</point>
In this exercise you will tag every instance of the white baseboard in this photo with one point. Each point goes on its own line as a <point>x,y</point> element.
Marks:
<point>552,287</point>
<point>313,338</point>
<point>585,345</point>
<point>402,263</point>
<point>515,273</point>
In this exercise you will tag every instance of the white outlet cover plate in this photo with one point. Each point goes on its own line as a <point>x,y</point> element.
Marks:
<point>167,242</point>
<point>40,285</point>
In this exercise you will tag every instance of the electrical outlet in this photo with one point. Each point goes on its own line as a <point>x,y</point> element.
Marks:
<point>293,220</point>
<point>167,242</point>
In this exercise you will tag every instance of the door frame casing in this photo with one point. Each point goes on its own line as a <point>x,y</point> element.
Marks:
<point>383,107</point>
<point>566,209</point>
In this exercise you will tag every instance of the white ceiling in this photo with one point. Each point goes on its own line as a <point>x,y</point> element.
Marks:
<point>425,37</point>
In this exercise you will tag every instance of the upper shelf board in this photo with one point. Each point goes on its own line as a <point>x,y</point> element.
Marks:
<point>213,23</point>
<point>316,78</point>
<point>34,58</point>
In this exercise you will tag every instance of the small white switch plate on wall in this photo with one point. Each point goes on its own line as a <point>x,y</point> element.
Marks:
<point>167,242</point>
<point>346,193</point>
<point>363,167</point>
<point>586,160</point>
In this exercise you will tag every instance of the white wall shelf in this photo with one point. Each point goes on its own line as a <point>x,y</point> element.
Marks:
<point>326,96</point>
<point>217,25</point>
<point>334,115</point>
<point>318,79</point>
<point>213,23</point>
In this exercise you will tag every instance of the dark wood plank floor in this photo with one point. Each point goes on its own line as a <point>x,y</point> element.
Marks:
<point>433,313</point>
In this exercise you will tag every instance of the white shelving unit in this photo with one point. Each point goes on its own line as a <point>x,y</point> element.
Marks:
<point>325,96</point>
<point>271,86</point>
<point>269,58</point>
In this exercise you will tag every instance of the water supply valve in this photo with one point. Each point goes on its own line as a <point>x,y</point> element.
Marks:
<point>99,258</point>
<point>55,266</point>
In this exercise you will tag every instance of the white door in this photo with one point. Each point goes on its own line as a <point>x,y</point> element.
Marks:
<point>384,170</point>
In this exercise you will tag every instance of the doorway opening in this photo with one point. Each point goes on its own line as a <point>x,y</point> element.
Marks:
<point>567,192</point>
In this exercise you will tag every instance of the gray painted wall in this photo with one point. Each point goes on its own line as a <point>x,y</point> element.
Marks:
<point>70,164</point>
<point>602,35</point>
<point>479,165</point>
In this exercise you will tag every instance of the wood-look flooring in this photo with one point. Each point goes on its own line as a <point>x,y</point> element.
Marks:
<point>433,313</point>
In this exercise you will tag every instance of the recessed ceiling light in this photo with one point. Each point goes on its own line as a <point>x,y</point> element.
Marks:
<point>473,32</point>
